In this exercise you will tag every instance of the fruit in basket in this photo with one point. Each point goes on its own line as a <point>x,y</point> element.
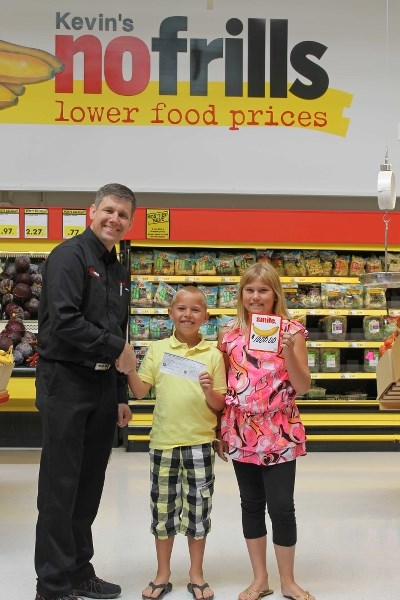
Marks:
<point>32,306</point>
<point>24,277</point>
<point>5,342</point>
<point>6,285</point>
<point>22,292</point>
<point>22,264</point>
<point>25,349</point>
<point>14,310</point>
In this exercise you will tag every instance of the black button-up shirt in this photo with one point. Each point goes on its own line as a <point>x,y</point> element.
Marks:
<point>83,311</point>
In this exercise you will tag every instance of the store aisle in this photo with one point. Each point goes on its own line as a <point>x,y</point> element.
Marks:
<point>348,507</point>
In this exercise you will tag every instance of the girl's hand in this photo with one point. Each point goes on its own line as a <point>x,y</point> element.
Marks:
<point>220,447</point>
<point>288,343</point>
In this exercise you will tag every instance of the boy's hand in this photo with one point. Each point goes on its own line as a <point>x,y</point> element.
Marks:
<point>126,361</point>
<point>206,382</point>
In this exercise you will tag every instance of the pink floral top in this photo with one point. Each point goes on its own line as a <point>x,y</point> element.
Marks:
<point>261,422</point>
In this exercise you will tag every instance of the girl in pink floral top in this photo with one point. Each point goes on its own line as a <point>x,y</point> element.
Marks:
<point>261,429</point>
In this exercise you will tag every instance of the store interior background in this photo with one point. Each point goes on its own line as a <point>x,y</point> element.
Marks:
<point>79,199</point>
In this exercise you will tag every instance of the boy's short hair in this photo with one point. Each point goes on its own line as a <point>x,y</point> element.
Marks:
<point>192,289</point>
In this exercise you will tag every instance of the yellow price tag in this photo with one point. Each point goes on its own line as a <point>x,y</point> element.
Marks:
<point>8,230</point>
<point>72,230</point>
<point>36,231</point>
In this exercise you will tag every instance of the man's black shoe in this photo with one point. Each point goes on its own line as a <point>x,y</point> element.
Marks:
<point>66,597</point>
<point>97,588</point>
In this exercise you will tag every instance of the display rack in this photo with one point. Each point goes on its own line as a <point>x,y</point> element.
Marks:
<point>332,424</point>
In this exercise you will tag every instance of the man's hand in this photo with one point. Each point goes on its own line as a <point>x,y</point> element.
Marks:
<point>126,361</point>
<point>124,415</point>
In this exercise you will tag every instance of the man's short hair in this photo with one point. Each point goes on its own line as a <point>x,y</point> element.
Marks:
<point>119,191</point>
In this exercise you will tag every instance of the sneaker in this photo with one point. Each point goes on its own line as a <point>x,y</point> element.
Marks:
<point>97,588</point>
<point>67,597</point>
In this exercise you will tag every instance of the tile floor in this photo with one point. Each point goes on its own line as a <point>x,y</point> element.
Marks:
<point>348,511</point>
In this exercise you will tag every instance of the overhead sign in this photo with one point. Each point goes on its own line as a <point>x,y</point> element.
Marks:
<point>216,96</point>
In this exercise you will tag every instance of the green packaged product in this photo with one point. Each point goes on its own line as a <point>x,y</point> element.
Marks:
<point>373,328</point>
<point>335,327</point>
<point>330,360</point>
<point>313,359</point>
<point>371,357</point>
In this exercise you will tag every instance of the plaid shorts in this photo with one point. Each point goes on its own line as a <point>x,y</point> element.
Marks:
<point>182,485</point>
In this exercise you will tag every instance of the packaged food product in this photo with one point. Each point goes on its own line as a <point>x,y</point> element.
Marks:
<point>371,357</point>
<point>211,294</point>
<point>341,265</point>
<point>142,293</point>
<point>374,298</point>
<point>142,262</point>
<point>393,262</point>
<point>160,327</point>
<point>316,392</point>
<point>335,327</point>
<point>357,265</point>
<point>225,264</point>
<point>294,264</point>
<point>389,326</point>
<point>164,294</point>
<point>224,321</point>
<point>277,261</point>
<point>139,327</point>
<point>309,296</point>
<point>330,360</point>
<point>164,262</point>
<point>353,295</point>
<point>291,294</point>
<point>327,261</point>
<point>244,260</point>
<point>205,263</point>
<point>373,328</point>
<point>210,329</point>
<point>332,295</point>
<point>373,264</point>
<point>184,263</point>
<point>313,359</point>
<point>228,295</point>
<point>264,256</point>
<point>313,263</point>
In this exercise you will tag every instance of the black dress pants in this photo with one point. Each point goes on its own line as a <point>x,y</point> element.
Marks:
<point>272,487</point>
<point>78,408</point>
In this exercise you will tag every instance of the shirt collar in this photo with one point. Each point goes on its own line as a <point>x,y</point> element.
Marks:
<point>202,345</point>
<point>99,248</point>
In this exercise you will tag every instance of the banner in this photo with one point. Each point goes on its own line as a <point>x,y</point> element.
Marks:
<point>221,96</point>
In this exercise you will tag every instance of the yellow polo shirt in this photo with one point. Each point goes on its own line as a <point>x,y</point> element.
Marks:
<point>182,416</point>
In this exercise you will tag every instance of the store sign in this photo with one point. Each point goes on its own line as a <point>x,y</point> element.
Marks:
<point>198,98</point>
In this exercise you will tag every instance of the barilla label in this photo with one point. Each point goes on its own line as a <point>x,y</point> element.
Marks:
<point>265,332</point>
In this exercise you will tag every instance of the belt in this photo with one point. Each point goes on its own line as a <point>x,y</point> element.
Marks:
<point>96,366</point>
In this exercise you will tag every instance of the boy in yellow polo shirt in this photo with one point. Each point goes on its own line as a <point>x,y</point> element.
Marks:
<point>181,439</point>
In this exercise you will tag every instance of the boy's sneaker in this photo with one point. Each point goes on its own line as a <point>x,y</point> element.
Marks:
<point>97,588</point>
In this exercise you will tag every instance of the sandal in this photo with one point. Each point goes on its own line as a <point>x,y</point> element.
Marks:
<point>164,587</point>
<point>260,593</point>
<point>195,586</point>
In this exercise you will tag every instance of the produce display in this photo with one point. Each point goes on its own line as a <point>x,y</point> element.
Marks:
<point>20,287</point>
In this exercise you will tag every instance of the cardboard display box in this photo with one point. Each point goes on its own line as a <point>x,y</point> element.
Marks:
<point>388,378</point>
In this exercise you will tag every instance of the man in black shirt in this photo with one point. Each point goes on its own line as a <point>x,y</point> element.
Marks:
<point>83,318</point>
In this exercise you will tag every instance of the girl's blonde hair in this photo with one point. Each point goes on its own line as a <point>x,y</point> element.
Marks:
<point>269,275</point>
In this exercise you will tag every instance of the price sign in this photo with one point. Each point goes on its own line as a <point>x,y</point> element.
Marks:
<point>36,222</point>
<point>74,222</point>
<point>157,224</point>
<point>9,222</point>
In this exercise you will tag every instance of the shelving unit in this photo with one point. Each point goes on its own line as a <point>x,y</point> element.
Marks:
<point>334,423</point>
